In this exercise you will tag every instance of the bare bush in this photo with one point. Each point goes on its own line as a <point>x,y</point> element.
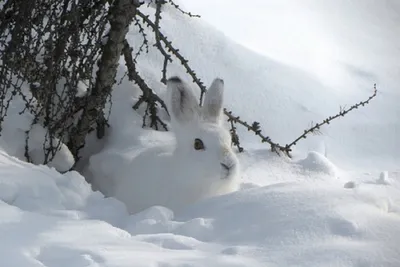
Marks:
<point>51,48</point>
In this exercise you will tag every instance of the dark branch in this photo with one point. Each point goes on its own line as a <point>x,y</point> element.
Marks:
<point>175,52</point>
<point>148,95</point>
<point>275,147</point>
<point>255,127</point>
<point>341,113</point>
<point>121,15</point>
<point>182,11</point>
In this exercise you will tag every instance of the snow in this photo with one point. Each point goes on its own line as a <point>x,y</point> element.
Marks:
<point>303,218</point>
<point>336,203</point>
<point>82,88</point>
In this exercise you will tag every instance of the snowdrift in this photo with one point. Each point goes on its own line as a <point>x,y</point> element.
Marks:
<point>302,216</point>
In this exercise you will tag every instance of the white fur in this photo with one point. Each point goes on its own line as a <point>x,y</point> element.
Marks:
<point>177,176</point>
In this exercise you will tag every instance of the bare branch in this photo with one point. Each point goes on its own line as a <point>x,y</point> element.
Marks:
<point>121,15</point>
<point>343,111</point>
<point>176,53</point>
<point>148,95</point>
<point>235,137</point>
<point>183,12</point>
<point>255,127</point>
<point>287,149</point>
<point>167,57</point>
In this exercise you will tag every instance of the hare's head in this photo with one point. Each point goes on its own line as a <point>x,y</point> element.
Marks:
<point>200,135</point>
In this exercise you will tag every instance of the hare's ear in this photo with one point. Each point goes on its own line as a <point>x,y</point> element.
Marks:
<point>214,97</point>
<point>183,105</point>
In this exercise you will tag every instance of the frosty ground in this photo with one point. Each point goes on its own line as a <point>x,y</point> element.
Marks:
<point>336,203</point>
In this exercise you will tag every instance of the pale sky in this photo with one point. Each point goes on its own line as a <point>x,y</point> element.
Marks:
<point>335,40</point>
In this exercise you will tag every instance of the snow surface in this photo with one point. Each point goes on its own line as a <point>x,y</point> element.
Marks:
<point>337,203</point>
<point>301,215</point>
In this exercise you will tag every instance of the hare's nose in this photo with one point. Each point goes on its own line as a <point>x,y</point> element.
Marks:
<point>227,170</point>
<point>226,167</point>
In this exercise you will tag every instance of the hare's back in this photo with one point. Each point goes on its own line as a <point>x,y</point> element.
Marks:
<point>145,181</point>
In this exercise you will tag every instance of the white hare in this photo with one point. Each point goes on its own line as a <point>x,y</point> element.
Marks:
<point>200,165</point>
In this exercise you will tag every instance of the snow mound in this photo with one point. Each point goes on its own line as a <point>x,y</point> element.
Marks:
<point>308,223</point>
<point>317,162</point>
<point>383,178</point>
<point>14,137</point>
<point>46,191</point>
<point>313,222</point>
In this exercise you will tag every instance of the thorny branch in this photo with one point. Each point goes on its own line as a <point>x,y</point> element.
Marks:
<point>234,135</point>
<point>175,52</point>
<point>148,95</point>
<point>341,113</point>
<point>176,6</point>
<point>181,10</point>
<point>275,147</point>
<point>145,43</point>
<point>254,127</point>
<point>167,57</point>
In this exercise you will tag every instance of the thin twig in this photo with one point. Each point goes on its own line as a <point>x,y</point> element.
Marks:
<point>314,129</point>
<point>148,95</point>
<point>235,137</point>
<point>176,53</point>
<point>182,11</point>
<point>341,113</point>
<point>156,29</point>
<point>255,127</point>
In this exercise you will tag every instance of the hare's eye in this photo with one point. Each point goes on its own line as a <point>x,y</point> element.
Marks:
<point>198,144</point>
